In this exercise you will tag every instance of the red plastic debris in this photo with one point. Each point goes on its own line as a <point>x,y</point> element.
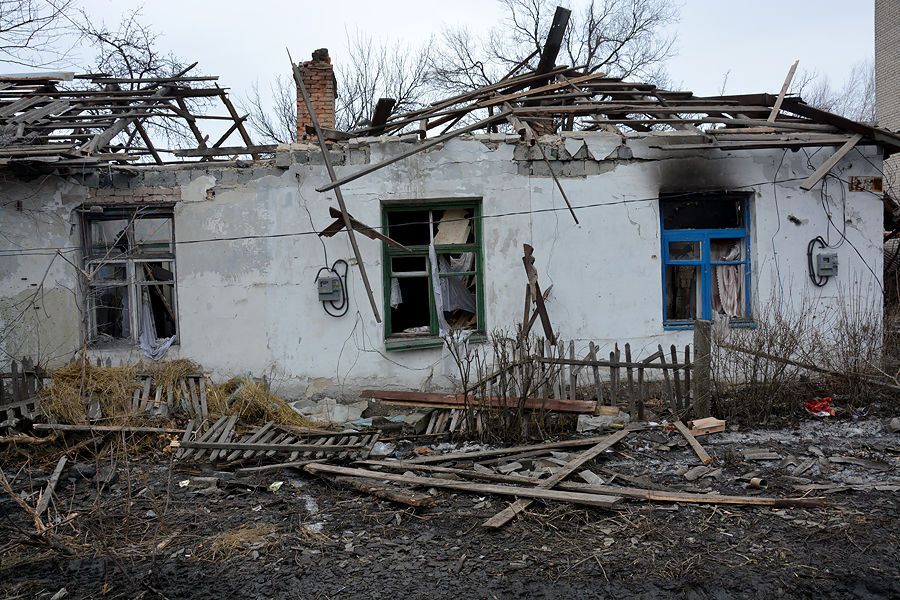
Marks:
<point>820,407</point>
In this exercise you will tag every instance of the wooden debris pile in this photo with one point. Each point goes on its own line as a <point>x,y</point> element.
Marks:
<point>288,446</point>
<point>491,471</point>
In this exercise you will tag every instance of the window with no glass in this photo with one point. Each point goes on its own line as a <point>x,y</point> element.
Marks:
<point>129,260</point>
<point>706,259</point>
<point>437,286</point>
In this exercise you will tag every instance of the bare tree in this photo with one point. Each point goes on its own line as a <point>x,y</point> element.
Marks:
<point>376,70</point>
<point>31,31</point>
<point>275,123</point>
<point>854,99</point>
<point>622,38</point>
<point>131,50</point>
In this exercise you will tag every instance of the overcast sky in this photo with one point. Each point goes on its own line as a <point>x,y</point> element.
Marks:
<point>756,40</point>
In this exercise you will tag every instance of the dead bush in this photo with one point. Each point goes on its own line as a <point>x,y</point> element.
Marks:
<point>497,378</point>
<point>844,348</point>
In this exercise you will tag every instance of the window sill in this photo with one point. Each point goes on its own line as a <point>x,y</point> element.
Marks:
<point>690,326</point>
<point>120,345</point>
<point>422,343</point>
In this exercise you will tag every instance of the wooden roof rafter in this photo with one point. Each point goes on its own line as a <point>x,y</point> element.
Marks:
<point>108,120</point>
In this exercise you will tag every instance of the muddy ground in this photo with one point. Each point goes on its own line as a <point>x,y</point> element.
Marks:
<point>153,528</point>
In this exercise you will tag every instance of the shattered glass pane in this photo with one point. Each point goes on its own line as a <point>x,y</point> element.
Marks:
<point>153,235</point>
<point>109,237</point>
<point>409,227</point>
<point>109,305</point>
<point>682,292</point>
<point>154,271</point>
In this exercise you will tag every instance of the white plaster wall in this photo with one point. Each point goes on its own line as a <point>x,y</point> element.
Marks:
<point>250,305</point>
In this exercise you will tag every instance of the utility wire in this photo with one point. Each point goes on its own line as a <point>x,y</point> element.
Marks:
<point>25,251</point>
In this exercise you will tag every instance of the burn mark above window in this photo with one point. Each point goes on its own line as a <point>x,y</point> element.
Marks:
<point>703,211</point>
<point>706,265</point>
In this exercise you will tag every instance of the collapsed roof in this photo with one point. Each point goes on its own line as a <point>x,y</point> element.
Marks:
<point>67,120</point>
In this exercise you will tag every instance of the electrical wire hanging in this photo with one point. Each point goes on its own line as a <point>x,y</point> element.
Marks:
<point>340,307</point>
<point>813,276</point>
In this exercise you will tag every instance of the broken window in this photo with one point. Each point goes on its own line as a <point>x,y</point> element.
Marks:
<point>706,264</point>
<point>437,287</point>
<point>129,262</point>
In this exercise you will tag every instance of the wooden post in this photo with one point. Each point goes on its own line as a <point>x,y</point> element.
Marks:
<point>573,382</point>
<point>702,378</point>
<point>326,157</point>
<point>630,375</point>
<point>596,372</point>
<point>687,377</point>
<point>676,379</point>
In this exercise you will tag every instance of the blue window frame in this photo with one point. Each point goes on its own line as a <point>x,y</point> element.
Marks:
<point>706,258</point>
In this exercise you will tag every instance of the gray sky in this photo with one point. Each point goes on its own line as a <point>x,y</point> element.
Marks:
<point>756,40</point>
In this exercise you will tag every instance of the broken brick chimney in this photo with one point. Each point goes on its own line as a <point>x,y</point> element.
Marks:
<point>321,85</point>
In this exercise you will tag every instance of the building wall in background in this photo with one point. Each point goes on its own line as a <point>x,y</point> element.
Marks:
<point>249,305</point>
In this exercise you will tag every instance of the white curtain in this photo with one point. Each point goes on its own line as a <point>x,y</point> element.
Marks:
<point>153,347</point>
<point>729,284</point>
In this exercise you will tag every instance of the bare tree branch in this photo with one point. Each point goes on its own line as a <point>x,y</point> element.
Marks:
<point>622,38</point>
<point>854,99</point>
<point>32,31</point>
<point>276,123</point>
<point>370,70</point>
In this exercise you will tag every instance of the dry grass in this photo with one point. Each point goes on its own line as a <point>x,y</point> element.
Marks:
<point>246,537</point>
<point>75,385</point>
<point>253,402</point>
<point>170,372</point>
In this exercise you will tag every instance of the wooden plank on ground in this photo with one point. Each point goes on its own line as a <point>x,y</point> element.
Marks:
<point>188,429</point>
<point>208,435</point>
<point>698,449</point>
<point>104,428</point>
<point>507,514</point>
<point>321,449</point>
<point>251,439</point>
<point>456,400</point>
<point>44,501</point>
<point>627,492</point>
<point>451,456</point>
<point>384,492</point>
<point>223,437</point>
<point>596,500</point>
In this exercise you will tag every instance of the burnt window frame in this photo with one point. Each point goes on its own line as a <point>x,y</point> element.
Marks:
<point>132,257</point>
<point>705,262</point>
<point>433,339</point>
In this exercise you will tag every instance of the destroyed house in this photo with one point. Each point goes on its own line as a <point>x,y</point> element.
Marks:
<point>643,211</point>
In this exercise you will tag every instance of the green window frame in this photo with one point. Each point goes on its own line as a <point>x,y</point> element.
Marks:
<point>415,225</point>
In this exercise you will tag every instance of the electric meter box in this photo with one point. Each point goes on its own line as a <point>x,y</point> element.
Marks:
<point>330,288</point>
<point>826,264</point>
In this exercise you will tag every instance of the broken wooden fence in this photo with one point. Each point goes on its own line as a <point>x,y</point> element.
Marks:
<point>220,442</point>
<point>186,394</point>
<point>19,398</point>
<point>557,372</point>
